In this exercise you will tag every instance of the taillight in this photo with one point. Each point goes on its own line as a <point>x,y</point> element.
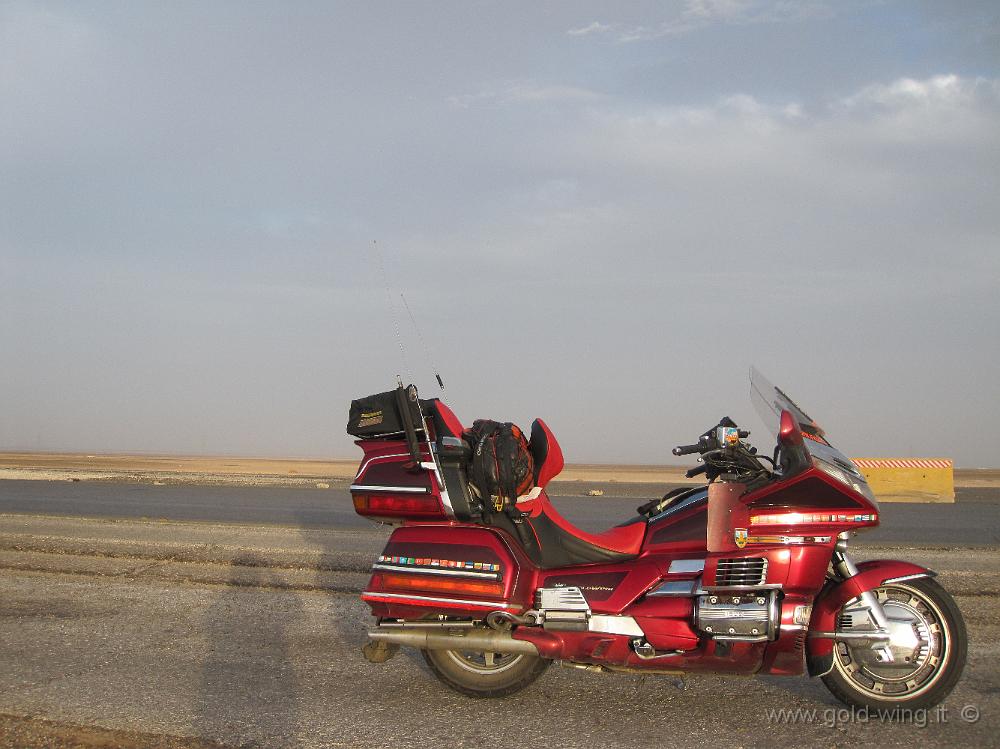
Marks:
<point>398,505</point>
<point>433,584</point>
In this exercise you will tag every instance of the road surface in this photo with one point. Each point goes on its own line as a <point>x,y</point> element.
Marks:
<point>974,519</point>
<point>200,625</point>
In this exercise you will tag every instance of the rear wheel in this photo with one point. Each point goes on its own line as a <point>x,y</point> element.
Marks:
<point>928,647</point>
<point>479,674</point>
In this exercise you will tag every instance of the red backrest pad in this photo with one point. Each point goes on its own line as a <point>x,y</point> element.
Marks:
<point>546,452</point>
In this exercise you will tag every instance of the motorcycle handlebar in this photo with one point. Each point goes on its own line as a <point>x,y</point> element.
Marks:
<point>695,471</point>
<point>688,449</point>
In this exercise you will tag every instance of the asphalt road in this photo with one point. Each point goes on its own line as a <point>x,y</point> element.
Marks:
<point>973,520</point>
<point>243,660</point>
<point>236,623</point>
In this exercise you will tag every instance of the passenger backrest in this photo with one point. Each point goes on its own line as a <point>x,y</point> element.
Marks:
<point>546,453</point>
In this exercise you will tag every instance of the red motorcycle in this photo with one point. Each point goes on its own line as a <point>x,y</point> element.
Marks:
<point>747,575</point>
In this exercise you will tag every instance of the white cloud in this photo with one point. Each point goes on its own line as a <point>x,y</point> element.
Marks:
<point>937,91</point>
<point>595,27</point>
<point>850,183</point>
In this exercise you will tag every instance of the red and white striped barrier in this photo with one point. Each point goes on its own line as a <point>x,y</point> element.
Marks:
<point>903,462</point>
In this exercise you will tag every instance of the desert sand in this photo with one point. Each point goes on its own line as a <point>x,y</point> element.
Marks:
<point>286,471</point>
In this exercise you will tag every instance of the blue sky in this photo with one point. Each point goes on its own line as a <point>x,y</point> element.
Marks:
<point>601,214</point>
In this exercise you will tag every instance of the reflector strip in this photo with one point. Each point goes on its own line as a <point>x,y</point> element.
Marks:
<point>443,563</point>
<point>810,518</point>
<point>451,573</point>
<point>411,581</point>
<point>422,600</point>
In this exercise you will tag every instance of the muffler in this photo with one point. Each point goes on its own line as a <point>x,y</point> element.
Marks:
<point>432,638</point>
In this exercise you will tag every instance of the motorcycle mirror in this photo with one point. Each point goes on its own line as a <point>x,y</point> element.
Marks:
<point>788,432</point>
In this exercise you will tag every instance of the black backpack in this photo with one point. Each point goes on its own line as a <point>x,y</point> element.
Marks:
<point>501,468</point>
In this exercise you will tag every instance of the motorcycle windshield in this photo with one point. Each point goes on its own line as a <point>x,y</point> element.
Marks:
<point>769,401</point>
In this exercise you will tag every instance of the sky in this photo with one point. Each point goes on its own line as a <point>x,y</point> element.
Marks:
<point>601,214</point>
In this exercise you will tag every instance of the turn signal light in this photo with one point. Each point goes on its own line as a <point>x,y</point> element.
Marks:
<point>398,505</point>
<point>432,584</point>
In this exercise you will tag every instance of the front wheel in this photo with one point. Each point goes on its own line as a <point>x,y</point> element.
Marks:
<point>928,646</point>
<point>478,674</point>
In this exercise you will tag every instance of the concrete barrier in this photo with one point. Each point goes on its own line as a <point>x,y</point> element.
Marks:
<point>909,479</point>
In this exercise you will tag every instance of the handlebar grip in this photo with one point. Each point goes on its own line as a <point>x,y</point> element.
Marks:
<point>696,470</point>
<point>687,449</point>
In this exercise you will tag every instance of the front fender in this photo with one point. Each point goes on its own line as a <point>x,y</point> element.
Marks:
<point>871,575</point>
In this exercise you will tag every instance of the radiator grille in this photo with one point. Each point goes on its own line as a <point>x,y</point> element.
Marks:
<point>742,571</point>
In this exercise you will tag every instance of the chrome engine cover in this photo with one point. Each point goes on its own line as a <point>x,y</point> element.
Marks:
<point>749,616</point>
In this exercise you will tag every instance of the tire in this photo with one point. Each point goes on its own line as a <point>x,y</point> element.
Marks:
<point>934,667</point>
<point>485,674</point>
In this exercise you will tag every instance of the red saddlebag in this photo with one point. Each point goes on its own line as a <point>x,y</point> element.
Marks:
<point>459,571</point>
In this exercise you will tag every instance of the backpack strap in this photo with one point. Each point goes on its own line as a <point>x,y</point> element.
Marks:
<point>505,469</point>
<point>482,430</point>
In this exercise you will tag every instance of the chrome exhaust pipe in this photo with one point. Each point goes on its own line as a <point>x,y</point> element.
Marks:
<point>479,640</point>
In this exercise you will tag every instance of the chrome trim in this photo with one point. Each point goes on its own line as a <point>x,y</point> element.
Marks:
<point>723,617</point>
<point>852,636</point>
<point>676,588</point>
<point>561,599</point>
<point>725,588</point>
<point>398,489</point>
<point>686,566</point>
<point>372,459</point>
<point>774,615</point>
<point>847,569</point>
<point>449,510</point>
<point>615,625</point>
<point>741,571</point>
<point>794,627</point>
<point>366,595</point>
<point>435,571</point>
<point>647,652</point>
<point>787,540</point>
<point>802,614</point>
<point>914,576</point>
<point>434,465</point>
<point>431,625</point>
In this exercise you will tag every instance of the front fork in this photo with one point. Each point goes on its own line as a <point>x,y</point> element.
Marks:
<point>846,568</point>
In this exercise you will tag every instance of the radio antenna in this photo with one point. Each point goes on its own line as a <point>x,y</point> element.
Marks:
<point>423,343</point>
<point>392,311</point>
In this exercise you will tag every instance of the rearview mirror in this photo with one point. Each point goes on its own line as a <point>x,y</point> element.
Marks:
<point>789,433</point>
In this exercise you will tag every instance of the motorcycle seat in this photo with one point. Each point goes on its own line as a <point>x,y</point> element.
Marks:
<point>549,525</point>
<point>559,542</point>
